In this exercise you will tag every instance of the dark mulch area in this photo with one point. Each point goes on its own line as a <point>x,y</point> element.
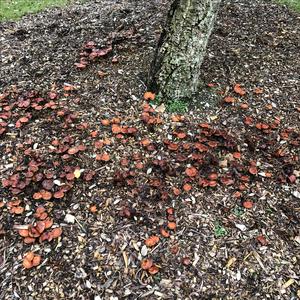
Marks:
<point>220,249</point>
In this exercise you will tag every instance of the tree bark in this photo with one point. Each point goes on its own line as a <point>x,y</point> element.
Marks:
<point>181,49</point>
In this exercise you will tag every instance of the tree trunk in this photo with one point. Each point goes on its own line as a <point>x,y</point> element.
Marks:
<point>180,52</point>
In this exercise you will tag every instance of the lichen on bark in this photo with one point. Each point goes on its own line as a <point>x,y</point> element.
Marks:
<point>176,67</point>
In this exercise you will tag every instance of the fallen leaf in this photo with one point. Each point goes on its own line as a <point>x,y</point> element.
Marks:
<point>70,176</point>
<point>40,210</point>
<point>262,126</point>
<point>161,108</point>
<point>116,120</point>
<point>237,194</point>
<point>33,232</point>
<point>204,125</point>
<point>77,173</point>
<point>230,262</point>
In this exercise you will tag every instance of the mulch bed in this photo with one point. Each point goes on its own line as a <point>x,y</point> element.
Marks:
<point>106,195</point>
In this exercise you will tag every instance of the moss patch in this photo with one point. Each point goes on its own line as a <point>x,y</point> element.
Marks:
<point>15,9</point>
<point>294,4</point>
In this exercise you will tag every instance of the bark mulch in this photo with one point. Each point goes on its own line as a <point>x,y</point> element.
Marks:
<point>106,195</point>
